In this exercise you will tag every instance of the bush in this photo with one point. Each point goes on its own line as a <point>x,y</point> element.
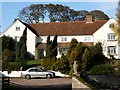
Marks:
<point>11,67</point>
<point>102,69</point>
<point>62,65</point>
<point>8,55</point>
<point>46,63</point>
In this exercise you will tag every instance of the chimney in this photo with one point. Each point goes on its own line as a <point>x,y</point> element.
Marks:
<point>89,19</point>
<point>15,20</point>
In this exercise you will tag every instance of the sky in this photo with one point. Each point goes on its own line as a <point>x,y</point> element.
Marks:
<point>9,10</point>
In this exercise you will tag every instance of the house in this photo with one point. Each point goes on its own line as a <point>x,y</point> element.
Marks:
<point>89,32</point>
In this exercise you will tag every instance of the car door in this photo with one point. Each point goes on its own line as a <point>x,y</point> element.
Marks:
<point>33,73</point>
<point>40,73</point>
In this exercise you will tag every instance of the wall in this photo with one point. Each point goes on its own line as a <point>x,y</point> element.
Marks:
<point>31,42</point>
<point>76,84</point>
<point>79,38</point>
<point>101,35</point>
<point>104,81</point>
<point>11,31</point>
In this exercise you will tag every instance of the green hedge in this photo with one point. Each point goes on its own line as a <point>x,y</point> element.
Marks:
<point>31,62</point>
<point>102,69</point>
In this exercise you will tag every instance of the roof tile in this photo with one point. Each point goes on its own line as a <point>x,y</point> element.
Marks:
<point>67,28</point>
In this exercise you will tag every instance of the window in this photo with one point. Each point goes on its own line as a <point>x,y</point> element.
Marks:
<point>63,50</point>
<point>17,28</point>
<point>86,38</point>
<point>111,36</point>
<point>111,26</point>
<point>17,38</point>
<point>111,50</point>
<point>64,39</point>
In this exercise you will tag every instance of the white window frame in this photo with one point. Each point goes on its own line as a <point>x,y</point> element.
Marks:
<point>17,28</point>
<point>63,38</point>
<point>111,50</point>
<point>87,38</point>
<point>111,36</point>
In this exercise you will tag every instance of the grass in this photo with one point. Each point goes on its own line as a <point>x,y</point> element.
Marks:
<point>31,62</point>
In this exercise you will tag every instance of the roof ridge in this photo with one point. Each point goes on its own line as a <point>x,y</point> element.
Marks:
<point>63,22</point>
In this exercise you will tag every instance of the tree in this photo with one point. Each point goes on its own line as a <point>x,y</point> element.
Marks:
<point>47,46</point>
<point>99,15</point>
<point>85,60</point>
<point>116,27</point>
<point>73,44</point>
<point>55,46</point>
<point>21,49</point>
<point>51,47</point>
<point>36,13</point>
<point>8,43</point>
<point>33,13</point>
<point>96,55</point>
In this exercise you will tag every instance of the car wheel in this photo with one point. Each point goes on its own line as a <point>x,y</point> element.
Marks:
<point>27,76</point>
<point>48,76</point>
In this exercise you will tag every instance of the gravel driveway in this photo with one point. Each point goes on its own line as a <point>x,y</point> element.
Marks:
<point>42,84</point>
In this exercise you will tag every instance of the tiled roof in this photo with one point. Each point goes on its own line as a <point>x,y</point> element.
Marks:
<point>43,45</point>
<point>67,28</point>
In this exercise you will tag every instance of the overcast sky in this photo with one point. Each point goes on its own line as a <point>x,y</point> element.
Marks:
<point>10,9</point>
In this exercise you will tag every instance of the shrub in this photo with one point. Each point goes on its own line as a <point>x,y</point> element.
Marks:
<point>46,63</point>
<point>62,65</point>
<point>102,69</point>
<point>11,66</point>
<point>8,56</point>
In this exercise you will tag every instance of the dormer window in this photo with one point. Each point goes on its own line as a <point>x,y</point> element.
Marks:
<point>17,28</point>
<point>111,36</point>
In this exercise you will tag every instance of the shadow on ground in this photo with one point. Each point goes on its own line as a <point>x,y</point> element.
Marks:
<point>49,87</point>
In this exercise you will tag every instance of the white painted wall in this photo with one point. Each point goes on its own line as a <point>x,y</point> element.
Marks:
<point>80,38</point>
<point>31,42</point>
<point>11,31</point>
<point>101,35</point>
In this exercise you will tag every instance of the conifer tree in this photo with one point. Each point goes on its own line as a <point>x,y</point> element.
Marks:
<point>51,47</point>
<point>55,46</point>
<point>47,45</point>
<point>21,49</point>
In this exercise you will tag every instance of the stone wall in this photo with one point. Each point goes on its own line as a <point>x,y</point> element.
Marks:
<point>76,84</point>
<point>103,81</point>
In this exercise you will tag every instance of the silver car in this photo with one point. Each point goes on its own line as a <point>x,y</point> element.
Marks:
<point>37,72</point>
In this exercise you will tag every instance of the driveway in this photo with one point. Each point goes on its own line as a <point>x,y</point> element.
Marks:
<point>42,83</point>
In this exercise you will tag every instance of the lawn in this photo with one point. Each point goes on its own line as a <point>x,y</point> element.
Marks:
<point>31,62</point>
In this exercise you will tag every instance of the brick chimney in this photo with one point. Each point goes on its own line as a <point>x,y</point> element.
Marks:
<point>89,19</point>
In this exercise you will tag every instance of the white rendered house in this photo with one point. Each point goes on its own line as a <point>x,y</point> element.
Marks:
<point>89,32</point>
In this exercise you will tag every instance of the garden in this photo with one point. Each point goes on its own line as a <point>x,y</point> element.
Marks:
<point>90,59</point>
